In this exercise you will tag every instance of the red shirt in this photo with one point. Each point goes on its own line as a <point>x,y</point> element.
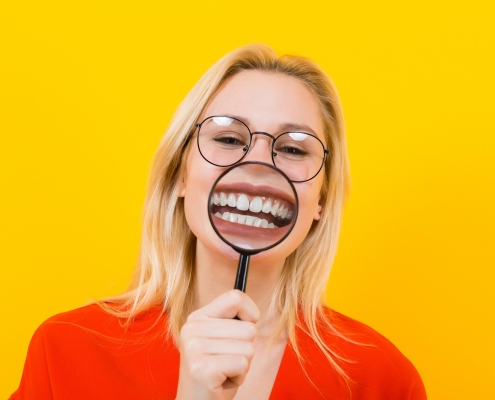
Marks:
<point>89,354</point>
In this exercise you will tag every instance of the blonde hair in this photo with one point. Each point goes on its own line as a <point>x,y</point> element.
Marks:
<point>165,269</point>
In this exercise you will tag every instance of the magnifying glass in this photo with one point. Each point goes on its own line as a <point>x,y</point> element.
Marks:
<point>252,207</point>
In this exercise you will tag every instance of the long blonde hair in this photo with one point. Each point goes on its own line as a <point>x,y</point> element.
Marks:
<point>164,273</point>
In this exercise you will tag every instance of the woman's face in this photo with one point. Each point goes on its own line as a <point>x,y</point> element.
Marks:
<point>267,102</point>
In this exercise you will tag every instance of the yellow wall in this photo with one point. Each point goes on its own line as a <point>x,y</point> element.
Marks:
<point>88,87</point>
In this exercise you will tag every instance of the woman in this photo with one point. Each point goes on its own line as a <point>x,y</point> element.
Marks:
<point>173,334</point>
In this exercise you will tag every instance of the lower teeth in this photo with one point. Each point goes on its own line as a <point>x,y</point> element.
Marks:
<point>246,220</point>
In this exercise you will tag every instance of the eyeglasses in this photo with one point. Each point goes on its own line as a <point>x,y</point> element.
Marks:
<point>224,141</point>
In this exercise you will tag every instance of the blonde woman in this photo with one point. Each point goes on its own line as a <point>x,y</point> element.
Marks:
<point>173,335</point>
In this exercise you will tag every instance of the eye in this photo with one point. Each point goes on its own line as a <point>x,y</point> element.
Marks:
<point>230,139</point>
<point>297,146</point>
<point>292,150</point>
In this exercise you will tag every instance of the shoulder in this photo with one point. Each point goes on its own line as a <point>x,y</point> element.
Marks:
<point>373,363</point>
<point>360,338</point>
<point>82,331</point>
<point>91,321</point>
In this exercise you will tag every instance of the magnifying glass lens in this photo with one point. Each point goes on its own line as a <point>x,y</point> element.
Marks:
<point>253,207</point>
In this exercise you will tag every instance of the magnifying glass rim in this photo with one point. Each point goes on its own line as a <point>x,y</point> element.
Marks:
<point>254,251</point>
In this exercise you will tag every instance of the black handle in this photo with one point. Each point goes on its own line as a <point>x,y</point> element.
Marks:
<point>242,271</point>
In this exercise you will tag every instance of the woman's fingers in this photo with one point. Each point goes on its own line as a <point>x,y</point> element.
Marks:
<point>198,345</point>
<point>220,329</point>
<point>213,371</point>
<point>229,305</point>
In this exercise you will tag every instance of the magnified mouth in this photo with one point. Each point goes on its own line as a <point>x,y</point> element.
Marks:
<point>252,207</point>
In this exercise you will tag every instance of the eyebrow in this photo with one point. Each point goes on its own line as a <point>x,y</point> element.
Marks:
<point>283,127</point>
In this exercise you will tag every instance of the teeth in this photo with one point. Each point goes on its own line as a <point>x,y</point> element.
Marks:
<point>267,207</point>
<point>245,220</point>
<point>231,201</point>
<point>223,199</point>
<point>284,212</point>
<point>275,209</point>
<point>243,203</point>
<point>256,205</point>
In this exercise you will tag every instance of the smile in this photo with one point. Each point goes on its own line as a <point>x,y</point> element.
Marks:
<point>252,210</point>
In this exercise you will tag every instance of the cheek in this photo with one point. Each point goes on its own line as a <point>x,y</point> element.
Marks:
<point>196,211</point>
<point>309,200</point>
<point>200,178</point>
<point>196,190</point>
<point>309,208</point>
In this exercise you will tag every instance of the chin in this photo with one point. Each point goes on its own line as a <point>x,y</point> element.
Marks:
<point>218,249</point>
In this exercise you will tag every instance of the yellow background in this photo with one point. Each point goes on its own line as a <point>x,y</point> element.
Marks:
<point>87,89</point>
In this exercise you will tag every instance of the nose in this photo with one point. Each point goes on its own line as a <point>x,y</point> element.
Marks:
<point>261,148</point>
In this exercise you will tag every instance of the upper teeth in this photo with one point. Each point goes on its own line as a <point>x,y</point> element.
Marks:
<point>256,205</point>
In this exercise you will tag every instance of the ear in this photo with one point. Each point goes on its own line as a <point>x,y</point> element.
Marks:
<point>317,215</point>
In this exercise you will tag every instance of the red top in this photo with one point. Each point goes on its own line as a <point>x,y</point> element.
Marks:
<point>89,354</point>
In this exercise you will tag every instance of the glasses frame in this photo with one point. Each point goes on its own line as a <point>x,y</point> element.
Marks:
<point>248,146</point>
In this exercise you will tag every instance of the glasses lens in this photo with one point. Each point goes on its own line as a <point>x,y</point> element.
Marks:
<point>299,155</point>
<point>223,141</point>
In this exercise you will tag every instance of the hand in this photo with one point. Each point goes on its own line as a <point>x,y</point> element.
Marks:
<point>215,349</point>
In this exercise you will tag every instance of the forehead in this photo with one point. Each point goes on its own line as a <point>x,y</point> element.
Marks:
<point>266,101</point>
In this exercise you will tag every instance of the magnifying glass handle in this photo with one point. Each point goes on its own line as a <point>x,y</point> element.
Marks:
<point>242,270</point>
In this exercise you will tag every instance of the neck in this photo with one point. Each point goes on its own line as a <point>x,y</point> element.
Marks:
<point>215,274</point>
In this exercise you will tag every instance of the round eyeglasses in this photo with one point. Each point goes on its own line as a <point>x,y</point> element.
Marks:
<point>224,141</point>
